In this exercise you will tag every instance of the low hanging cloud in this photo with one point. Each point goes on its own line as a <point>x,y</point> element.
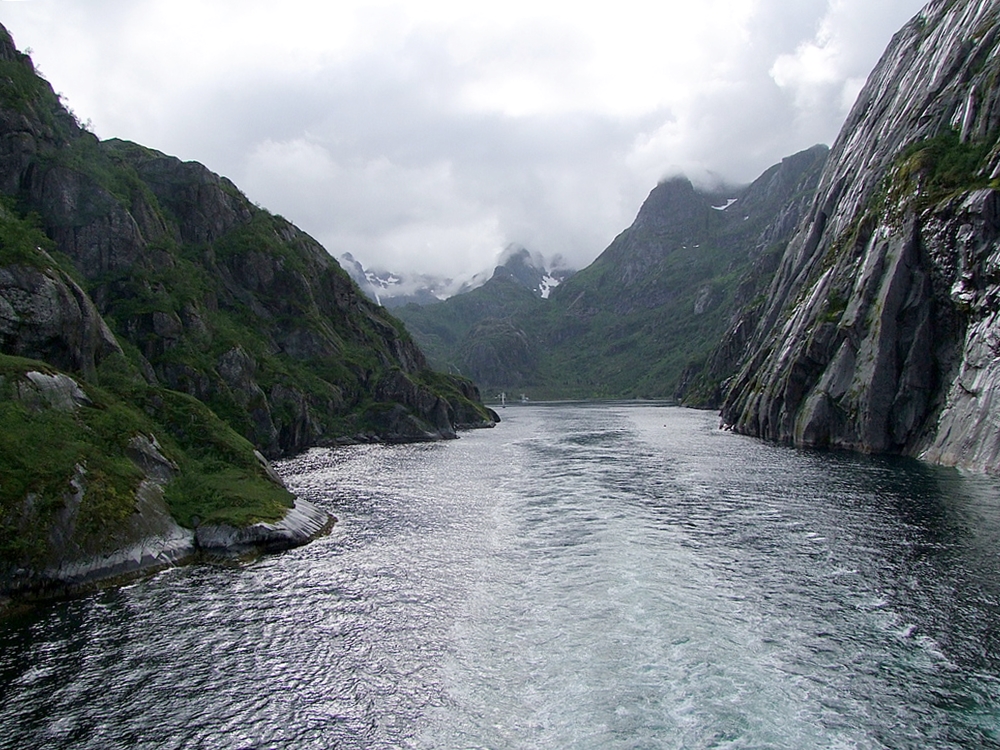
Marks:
<point>427,137</point>
<point>825,74</point>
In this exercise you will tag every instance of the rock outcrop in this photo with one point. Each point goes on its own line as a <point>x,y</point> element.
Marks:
<point>159,336</point>
<point>45,315</point>
<point>879,330</point>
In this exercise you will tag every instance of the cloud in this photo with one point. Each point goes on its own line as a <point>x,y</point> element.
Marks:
<point>405,216</point>
<point>825,73</point>
<point>427,137</point>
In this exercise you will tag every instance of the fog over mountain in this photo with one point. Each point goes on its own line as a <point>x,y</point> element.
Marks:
<point>427,138</point>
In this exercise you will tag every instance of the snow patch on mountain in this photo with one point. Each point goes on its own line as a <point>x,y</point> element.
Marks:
<point>548,284</point>
<point>530,269</point>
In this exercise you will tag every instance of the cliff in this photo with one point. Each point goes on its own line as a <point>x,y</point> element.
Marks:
<point>879,328</point>
<point>159,336</point>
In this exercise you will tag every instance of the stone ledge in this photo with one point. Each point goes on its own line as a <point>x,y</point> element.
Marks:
<point>303,523</point>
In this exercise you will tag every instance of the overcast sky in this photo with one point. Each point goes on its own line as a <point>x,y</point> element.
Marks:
<point>426,136</point>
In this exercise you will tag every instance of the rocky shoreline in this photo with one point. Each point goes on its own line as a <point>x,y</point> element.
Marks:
<point>173,545</point>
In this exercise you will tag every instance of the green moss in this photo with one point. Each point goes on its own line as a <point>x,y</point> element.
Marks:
<point>934,169</point>
<point>24,91</point>
<point>220,479</point>
<point>22,241</point>
<point>261,235</point>
<point>43,449</point>
<point>225,496</point>
<point>20,87</point>
<point>833,310</point>
<point>108,167</point>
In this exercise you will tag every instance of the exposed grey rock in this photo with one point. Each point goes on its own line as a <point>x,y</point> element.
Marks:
<point>57,391</point>
<point>879,333</point>
<point>303,523</point>
<point>45,315</point>
<point>88,223</point>
<point>173,546</point>
<point>149,539</point>
<point>401,423</point>
<point>145,452</point>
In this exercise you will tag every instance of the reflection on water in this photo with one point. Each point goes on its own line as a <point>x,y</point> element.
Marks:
<point>582,576</point>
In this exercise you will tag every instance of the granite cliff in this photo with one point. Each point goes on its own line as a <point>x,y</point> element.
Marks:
<point>879,327</point>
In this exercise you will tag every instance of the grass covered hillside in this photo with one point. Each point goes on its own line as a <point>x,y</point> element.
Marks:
<point>212,296</point>
<point>87,468</point>
<point>160,335</point>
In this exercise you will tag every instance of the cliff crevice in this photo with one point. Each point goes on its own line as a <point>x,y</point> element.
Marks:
<point>879,325</point>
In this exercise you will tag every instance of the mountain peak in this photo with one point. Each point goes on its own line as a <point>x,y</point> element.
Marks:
<point>530,270</point>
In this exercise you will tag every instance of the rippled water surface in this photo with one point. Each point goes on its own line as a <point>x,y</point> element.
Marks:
<point>580,577</point>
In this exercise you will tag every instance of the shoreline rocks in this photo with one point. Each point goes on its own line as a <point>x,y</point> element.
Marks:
<point>173,546</point>
<point>303,523</point>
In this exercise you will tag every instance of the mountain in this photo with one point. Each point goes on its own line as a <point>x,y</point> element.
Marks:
<point>159,336</point>
<point>531,271</point>
<point>479,334</point>
<point>393,290</point>
<point>642,319</point>
<point>879,330</point>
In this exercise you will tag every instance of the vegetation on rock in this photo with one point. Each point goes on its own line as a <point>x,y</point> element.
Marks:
<point>184,316</point>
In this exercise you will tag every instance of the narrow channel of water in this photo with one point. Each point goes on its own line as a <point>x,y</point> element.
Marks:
<point>596,576</point>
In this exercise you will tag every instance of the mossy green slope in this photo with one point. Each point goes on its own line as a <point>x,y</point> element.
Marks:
<point>211,295</point>
<point>184,318</point>
<point>54,447</point>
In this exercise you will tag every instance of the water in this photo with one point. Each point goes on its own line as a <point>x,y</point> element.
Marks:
<point>579,577</point>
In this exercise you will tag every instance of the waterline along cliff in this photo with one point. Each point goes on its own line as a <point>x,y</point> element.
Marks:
<point>879,331</point>
<point>160,338</point>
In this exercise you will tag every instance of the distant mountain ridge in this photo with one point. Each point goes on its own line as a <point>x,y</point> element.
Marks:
<point>642,319</point>
<point>392,290</point>
<point>531,271</point>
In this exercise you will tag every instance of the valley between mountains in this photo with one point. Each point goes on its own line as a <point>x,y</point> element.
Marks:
<point>162,337</point>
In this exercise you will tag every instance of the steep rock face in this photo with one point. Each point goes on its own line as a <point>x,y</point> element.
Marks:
<point>220,299</point>
<point>206,205</point>
<point>967,238</point>
<point>879,330</point>
<point>45,315</point>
